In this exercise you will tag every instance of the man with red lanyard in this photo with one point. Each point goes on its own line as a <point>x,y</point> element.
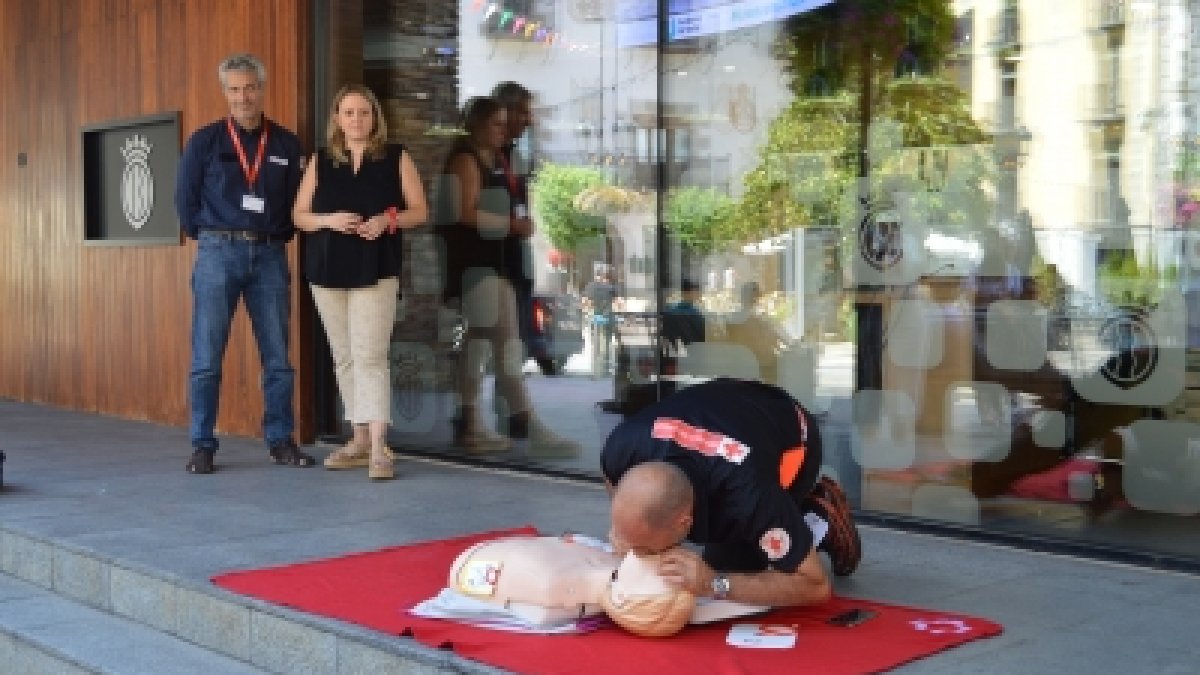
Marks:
<point>237,180</point>
<point>734,466</point>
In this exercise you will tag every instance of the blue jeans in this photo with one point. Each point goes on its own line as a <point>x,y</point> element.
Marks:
<point>258,273</point>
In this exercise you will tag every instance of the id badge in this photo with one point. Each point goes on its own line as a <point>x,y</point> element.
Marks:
<point>253,203</point>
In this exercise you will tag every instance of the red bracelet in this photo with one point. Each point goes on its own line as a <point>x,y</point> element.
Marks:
<point>393,215</point>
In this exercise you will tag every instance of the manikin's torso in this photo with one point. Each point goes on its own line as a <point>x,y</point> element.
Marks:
<point>543,571</point>
<point>548,572</point>
<point>541,578</point>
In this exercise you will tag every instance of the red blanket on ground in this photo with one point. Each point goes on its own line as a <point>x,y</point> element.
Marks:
<point>374,589</point>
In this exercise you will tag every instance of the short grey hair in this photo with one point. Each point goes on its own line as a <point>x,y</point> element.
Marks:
<point>243,63</point>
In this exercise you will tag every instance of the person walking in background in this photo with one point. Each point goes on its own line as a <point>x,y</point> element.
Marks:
<point>757,333</point>
<point>683,321</point>
<point>517,102</point>
<point>476,278</point>
<point>356,197</point>
<point>237,179</point>
<point>598,297</point>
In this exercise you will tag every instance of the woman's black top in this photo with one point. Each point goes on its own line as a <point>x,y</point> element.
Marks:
<point>466,246</point>
<point>338,260</point>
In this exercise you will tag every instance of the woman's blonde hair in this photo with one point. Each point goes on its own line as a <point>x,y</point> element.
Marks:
<point>335,138</point>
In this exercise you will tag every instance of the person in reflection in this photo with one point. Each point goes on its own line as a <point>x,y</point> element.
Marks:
<point>477,279</point>
<point>732,465</point>
<point>598,297</point>
<point>749,328</point>
<point>1002,274</point>
<point>358,194</point>
<point>517,102</point>
<point>683,322</point>
<point>1013,403</point>
<point>237,179</point>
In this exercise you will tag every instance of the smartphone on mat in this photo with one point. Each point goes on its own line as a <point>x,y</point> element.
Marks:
<point>851,617</point>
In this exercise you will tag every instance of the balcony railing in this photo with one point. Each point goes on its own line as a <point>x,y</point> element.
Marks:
<point>1107,102</point>
<point>1103,208</point>
<point>1005,118</point>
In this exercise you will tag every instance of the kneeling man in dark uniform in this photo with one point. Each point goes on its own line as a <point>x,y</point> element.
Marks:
<point>734,466</point>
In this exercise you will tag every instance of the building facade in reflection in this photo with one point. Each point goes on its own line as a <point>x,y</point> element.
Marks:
<point>961,232</point>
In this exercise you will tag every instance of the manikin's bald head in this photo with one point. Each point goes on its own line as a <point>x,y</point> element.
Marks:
<point>651,508</point>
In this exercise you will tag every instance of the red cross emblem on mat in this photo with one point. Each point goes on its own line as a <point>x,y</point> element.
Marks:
<point>775,542</point>
<point>941,626</point>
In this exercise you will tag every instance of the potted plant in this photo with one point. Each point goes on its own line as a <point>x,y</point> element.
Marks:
<point>553,194</point>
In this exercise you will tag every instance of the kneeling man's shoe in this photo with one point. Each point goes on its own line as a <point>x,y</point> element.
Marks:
<point>842,542</point>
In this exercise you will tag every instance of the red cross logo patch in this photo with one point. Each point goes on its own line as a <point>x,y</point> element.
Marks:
<point>776,543</point>
<point>732,450</point>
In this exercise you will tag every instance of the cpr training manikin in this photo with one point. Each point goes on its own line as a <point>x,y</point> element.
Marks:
<point>545,579</point>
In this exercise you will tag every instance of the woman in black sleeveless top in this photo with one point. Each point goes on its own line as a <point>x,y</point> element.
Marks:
<point>478,277</point>
<point>355,198</point>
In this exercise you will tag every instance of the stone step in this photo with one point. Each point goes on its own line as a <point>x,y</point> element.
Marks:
<point>42,632</point>
<point>101,599</point>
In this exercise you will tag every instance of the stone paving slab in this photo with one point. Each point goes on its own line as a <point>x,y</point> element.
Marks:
<point>82,487</point>
<point>44,632</point>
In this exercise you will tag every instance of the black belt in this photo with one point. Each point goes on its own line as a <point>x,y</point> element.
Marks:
<point>246,235</point>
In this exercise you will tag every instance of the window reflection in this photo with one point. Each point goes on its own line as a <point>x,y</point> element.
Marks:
<point>961,232</point>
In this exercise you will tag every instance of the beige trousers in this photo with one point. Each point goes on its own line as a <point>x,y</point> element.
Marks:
<point>358,323</point>
<point>490,310</point>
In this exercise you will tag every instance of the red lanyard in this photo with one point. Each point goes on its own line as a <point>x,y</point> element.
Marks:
<point>512,178</point>
<point>251,172</point>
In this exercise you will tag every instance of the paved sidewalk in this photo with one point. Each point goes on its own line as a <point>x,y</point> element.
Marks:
<point>117,490</point>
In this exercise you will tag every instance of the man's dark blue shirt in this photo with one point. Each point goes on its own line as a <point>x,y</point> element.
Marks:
<point>211,183</point>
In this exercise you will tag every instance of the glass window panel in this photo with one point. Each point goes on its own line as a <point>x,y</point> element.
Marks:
<point>792,195</point>
<point>1016,334</point>
<point>882,433</point>
<point>915,334</point>
<point>1162,466</point>
<point>979,421</point>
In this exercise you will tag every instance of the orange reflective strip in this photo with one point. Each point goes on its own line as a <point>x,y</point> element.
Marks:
<point>789,465</point>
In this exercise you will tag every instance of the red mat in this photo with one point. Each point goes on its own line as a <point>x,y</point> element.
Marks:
<point>374,589</point>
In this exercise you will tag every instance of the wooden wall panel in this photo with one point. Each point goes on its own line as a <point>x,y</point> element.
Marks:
<point>106,329</point>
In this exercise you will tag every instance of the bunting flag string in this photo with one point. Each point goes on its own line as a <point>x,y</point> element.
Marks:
<point>523,26</point>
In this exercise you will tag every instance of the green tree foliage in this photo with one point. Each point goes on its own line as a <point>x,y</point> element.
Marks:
<point>1125,283</point>
<point>860,68</point>
<point>553,194</point>
<point>809,162</point>
<point>806,164</point>
<point>699,218</point>
<point>862,45</point>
